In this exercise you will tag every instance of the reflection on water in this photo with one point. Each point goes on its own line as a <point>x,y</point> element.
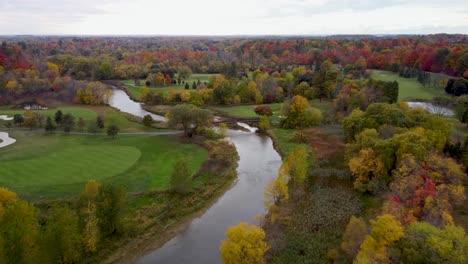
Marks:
<point>121,101</point>
<point>199,243</point>
<point>431,108</point>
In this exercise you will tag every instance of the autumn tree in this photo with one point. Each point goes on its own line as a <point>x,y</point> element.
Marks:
<point>184,72</point>
<point>19,233</point>
<point>244,245</point>
<point>6,197</point>
<point>88,216</point>
<point>299,114</point>
<point>263,124</point>
<point>385,231</point>
<point>367,170</point>
<point>298,164</point>
<point>190,117</point>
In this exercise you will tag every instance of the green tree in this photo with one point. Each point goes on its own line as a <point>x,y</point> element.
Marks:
<point>190,117</point>
<point>113,130</point>
<point>244,245</point>
<point>424,243</point>
<point>147,120</point>
<point>50,126</point>
<point>68,122</point>
<point>184,72</point>
<point>106,70</point>
<point>58,117</point>
<point>181,178</point>
<point>325,80</point>
<point>111,205</point>
<point>61,237</point>
<point>100,121</point>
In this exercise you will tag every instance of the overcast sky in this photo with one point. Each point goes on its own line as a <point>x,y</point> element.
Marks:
<point>221,17</point>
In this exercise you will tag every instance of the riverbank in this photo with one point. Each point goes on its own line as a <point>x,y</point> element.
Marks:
<point>163,215</point>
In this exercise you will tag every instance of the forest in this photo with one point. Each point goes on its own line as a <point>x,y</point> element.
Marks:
<point>118,143</point>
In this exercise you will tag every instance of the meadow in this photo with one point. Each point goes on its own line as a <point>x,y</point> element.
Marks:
<point>410,88</point>
<point>45,166</point>
<point>135,90</point>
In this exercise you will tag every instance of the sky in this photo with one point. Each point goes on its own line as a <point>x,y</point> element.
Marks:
<point>234,17</point>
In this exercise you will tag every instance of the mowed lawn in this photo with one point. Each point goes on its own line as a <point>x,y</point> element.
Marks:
<point>89,115</point>
<point>410,88</point>
<point>248,111</point>
<point>40,166</point>
<point>136,90</point>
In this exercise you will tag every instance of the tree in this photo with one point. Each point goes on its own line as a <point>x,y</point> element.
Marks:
<point>424,243</point>
<point>385,231</point>
<point>68,122</point>
<point>263,110</point>
<point>6,197</point>
<point>187,86</point>
<point>50,126</point>
<point>263,124</point>
<point>298,164</point>
<point>299,114</point>
<point>190,117</point>
<point>106,70</point>
<point>181,178</point>
<point>111,205</point>
<point>61,237</point>
<point>184,72</point>
<point>367,170</point>
<point>244,245</point>
<point>325,80</point>
<point>58,117</point>
<point>147,120</point>
<point>19,233</point>
<point>112,131</point>
<point>353,236</point>
<point>194,85</point>
<point>18,119</point>
<point>88,216</point>
<point>100,121</point>
<point>461,108</point>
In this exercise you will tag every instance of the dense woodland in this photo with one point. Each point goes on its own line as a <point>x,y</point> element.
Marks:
<point>385,189</point>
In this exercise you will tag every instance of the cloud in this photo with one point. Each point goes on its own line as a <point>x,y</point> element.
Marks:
<point>232,17</point>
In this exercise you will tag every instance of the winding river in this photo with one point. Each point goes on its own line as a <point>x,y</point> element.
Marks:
<point>199,242</point>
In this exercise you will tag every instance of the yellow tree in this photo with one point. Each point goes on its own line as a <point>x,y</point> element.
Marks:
<point>276,192</point>
<point>385,231</point>
<point>366,169</point>
<point>298,164</point>
<point>6,197</point>
<point>245,244</point>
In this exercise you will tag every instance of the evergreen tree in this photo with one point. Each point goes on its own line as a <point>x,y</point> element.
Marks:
<point>49,127</point>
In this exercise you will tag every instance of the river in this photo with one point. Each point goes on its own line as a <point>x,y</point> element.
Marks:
<point>199,242</point>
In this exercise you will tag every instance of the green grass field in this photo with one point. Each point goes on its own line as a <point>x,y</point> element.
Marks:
<point>135,90</point>
<point>89,114</point>
<point>57,166</point>
<point>410,88</point>
<point>248,111</point>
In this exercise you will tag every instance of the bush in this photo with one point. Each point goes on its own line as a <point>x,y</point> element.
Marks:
<point>263,110</point>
